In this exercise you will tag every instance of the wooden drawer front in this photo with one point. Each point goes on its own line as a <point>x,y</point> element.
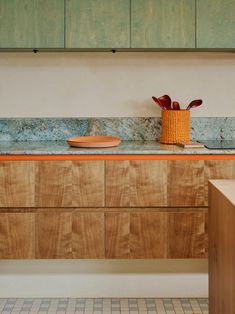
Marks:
<point>148,235</point>
<point>187,235</point>
<point>136,235</point>
<point>17,236</point>
<point>88,235</point>
<point>53,235</point>
<point>136,183</point>
<point>185,183</point>
<point>174,233</point>
<point>154,183</point>
<point>70,184</point>
<point>117,235</point>
<point>54,184</point>
<point>17,183</point>
<point>88,183</point>
<point>67,235</point>
<point>218,169</point>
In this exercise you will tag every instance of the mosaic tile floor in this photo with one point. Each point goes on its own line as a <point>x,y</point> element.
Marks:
<point>104,306</point>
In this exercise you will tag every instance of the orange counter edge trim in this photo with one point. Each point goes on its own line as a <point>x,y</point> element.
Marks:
<point>117,157</point>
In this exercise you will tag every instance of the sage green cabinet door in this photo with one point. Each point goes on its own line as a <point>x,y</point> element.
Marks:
<point>216,23</point>
<point>163,23</point>
<point>31,23</point>
<point>98,23</point>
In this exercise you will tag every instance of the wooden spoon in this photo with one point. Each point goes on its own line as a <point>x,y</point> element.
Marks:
<point>175,105</point>
<point>164,102</point>
<point>194,104</point>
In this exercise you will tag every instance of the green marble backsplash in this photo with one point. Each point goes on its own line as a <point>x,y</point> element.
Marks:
<point>38,129</point>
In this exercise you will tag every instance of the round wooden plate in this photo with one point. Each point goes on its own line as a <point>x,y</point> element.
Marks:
<point>94,141</point>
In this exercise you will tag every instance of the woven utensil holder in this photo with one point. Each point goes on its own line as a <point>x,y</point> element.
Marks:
<point>175,126</point>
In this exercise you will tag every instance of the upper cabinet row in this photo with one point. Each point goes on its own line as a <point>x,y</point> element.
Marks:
<point>117,24</point>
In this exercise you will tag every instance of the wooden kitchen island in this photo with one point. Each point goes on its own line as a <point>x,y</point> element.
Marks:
<point>222,246</point>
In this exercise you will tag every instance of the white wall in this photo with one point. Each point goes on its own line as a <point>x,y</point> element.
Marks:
<point>90,278</point>
<point>113,85</point>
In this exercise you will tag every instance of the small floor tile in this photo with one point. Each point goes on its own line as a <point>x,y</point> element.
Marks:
<point>104,306</point>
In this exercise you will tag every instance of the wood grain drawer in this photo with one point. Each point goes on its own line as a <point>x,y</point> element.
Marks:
<point>17,183</point>
<point>185,183</point>
<point>136,235</point>
<point>69,235</point>
<point>175,233</point>
<point>88,234</point>
<point>69,184</point>
<point>136,183</point>
<point>188,234</point>
<point>17,235</point>
<point>52,183</point>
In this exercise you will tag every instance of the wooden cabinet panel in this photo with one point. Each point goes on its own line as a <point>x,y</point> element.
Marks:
<point>148,235</point>
<point>215,24</point>
<point>221,247</point>
<point>88,235</point>
<point>97,24</point>
<point>70,183</point>
<point>136,235</point>
<point>17,236</point>
<point>17,183</point>
<point>186,183</point>
<point>69,235</point>
<point>118,183</point>
<point>54,184</point>
<point>88,183</point>
<point>136,183</point>
<point>187,235</point>
<point>117,231</point>
<point>31,23</point>
<point>218,169</point>
<point>148,183</point>
<point>163,24</point>
<point>53,235</point>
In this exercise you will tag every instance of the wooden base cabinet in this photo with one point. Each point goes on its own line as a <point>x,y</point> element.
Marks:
<point>106,208</point>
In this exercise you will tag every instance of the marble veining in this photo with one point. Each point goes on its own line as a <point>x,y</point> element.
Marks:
<point>137,129</point>
<point>125,148</point>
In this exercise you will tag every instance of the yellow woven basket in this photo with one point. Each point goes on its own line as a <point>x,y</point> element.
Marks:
<point>175,126</point>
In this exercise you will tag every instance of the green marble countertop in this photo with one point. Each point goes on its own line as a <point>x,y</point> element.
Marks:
<point>125,148</point>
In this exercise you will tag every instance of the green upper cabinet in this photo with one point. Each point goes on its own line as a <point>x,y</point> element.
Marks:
<point>163,23</point>
<point>97,23</point>
<point>215,23</point>
<point>31,23</point>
